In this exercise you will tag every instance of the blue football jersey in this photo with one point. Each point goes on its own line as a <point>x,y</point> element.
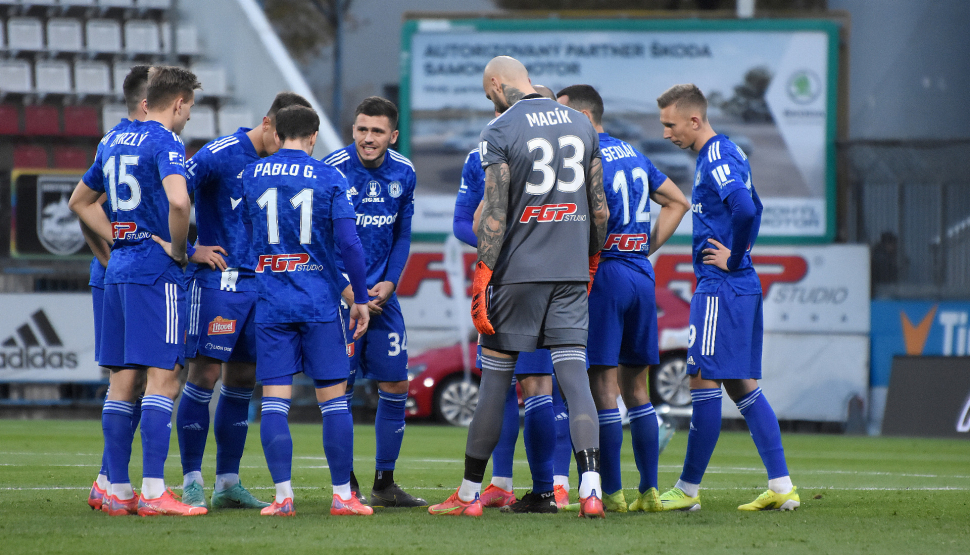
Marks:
<point>472,188</point>
<point>215,175</point>
<point>96,175</point>
<point>133,163</point>
<point>380,196</point>
<point>722,168</point>
<point>628,179</point>
<point>291,200</point>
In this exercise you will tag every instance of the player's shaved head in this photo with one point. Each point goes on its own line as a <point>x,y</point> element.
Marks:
<point>545,91</point>
<point>505,81</point>
<point>584,98</point>
<point>687,99</point>
<point>135,88</point>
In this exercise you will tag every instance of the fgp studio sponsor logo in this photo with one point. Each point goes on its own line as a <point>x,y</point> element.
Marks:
<point>221,326</point>
<point>551,213</point>
<point>281,262</point>
<point>57,226</point>
<point>36,344</point>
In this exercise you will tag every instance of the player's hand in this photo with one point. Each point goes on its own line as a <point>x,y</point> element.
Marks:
<point>717,256</point>
<point>594,263</point>
<point>483,275</point>
<point>359,316</point>
<point>210,256</point>
<point>182,260</point>
<point>382,292</point>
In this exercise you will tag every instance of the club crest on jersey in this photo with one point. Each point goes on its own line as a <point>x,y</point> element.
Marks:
<point>626,242</point>
<point>551,213</point>
<point>221,326</point>
<point>373,192</point>
<point>394,189</point>
<point>281,262</point>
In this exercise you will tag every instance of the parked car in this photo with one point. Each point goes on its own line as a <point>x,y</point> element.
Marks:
<point>439,389</point>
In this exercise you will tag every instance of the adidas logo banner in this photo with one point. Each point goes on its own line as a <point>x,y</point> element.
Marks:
<point>47,338</point>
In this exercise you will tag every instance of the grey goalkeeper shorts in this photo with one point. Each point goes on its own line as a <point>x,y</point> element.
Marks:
<point>527,316</point>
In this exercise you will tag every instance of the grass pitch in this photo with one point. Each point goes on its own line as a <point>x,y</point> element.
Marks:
<point>859,494</point>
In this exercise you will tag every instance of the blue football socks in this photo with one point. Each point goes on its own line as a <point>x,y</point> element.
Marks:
<point>611,441</point>
<point>504,451</point>
<point>540,445</point>
<point>156,432</point>
<point>116,425</point>
<point>274,433</point>
<point>705,428</point>
<point>337,442</point>
<point>389,428</point>
<point>232,427</point>
<point>563,458</point>
<point>765,432</point>
<point>645,432</point>
<point>192,424</point>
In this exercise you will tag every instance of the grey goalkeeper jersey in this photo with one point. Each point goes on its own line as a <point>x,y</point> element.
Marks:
<point>548,148</point>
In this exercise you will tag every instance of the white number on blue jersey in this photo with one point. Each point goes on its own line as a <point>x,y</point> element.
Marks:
<point>574,163</point>
<point>620,184</point>
<point>396,344</point>
<point>302,200</point>
<point>122,177</point>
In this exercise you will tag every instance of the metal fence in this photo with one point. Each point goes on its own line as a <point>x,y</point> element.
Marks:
<point>910,201</point>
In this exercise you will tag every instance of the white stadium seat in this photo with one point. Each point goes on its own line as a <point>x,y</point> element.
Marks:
<point>111,115</point>
<point>64,35</point>
<point>155,4</point>
<point>119,70</point>
<point>141,37</point>
<point>117,3</point>
<point>104,35</point>
<point>186,39</point>
<point>25,33</point>
<point>3,37</point>
<point>92,78</point>
<point>232,118</point>
<point>15,76</point>
<point>53,77</point>
<point>202,124</point>
<point>213,79</point>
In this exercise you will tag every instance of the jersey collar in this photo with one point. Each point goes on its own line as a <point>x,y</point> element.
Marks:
<point>707,145</point>
<point>292,153</point>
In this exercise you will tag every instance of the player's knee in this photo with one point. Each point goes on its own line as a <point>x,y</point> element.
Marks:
<point>393,387</point>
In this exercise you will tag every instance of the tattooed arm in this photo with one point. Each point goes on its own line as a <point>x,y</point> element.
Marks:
<point>598,209</point>
<point>495,205</point>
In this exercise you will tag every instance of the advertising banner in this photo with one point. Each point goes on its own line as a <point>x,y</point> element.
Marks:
<point>42,225</point>
<point>929,397</point>
<point>47,338</point>
<point>770,85</point>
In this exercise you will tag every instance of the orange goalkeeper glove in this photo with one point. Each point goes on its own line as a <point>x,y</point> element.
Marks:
<point>594,262</point>
<point>483,275</point>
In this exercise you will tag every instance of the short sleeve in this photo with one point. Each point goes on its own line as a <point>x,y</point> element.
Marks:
<point>407,206</point>
<point>94,177</point>
<point>342,205</point>
<point>728,175</point>
<point>170,157</point>
<point>472,187</point>
<point>655,177</point>
<point>492,146</point>
<point>197,170</point>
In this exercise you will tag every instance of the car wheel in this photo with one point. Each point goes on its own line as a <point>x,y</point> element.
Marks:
<point>669,383</point>
<point>455,400</point>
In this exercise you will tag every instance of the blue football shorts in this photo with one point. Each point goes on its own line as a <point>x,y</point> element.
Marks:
<point>143,325</point>
<point>315,348</point>
<point>97,301</point>
<point>382,353</point>
<point>622,316</point>
<point>221,324</point>
<point>724,339</point>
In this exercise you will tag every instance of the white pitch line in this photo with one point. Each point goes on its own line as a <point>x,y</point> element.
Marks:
<point>268,488</point>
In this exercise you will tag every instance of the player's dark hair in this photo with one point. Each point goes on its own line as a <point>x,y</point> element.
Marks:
<point>296,122</point>
<point>135,87</point>
<point>584,97</point>
<point>168,83</point>
<point>375,106</point>
<point>684,97</point>
<point>284,100</point>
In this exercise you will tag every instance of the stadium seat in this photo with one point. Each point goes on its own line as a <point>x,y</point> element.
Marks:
<point>71,157</point>
<point>42,119</point>
<point>25,33</point>
<point>213,79</point>
<point>29,156</point>
<point>9,119</point>
<point>68,3</point>
<point>64,35</point>
<point>81,121</point>
<point>104,35</point>
<point>111,115</point>
<point>141,37</point>
<point>53,77</point>
<point>202,124</point>
<point>3,37</point>
<point>186,39</point>
<point>92,78</point>
<point>232,118</point>
<point>155,4</point>
<point>15,77</point>
<point>117,3</point>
